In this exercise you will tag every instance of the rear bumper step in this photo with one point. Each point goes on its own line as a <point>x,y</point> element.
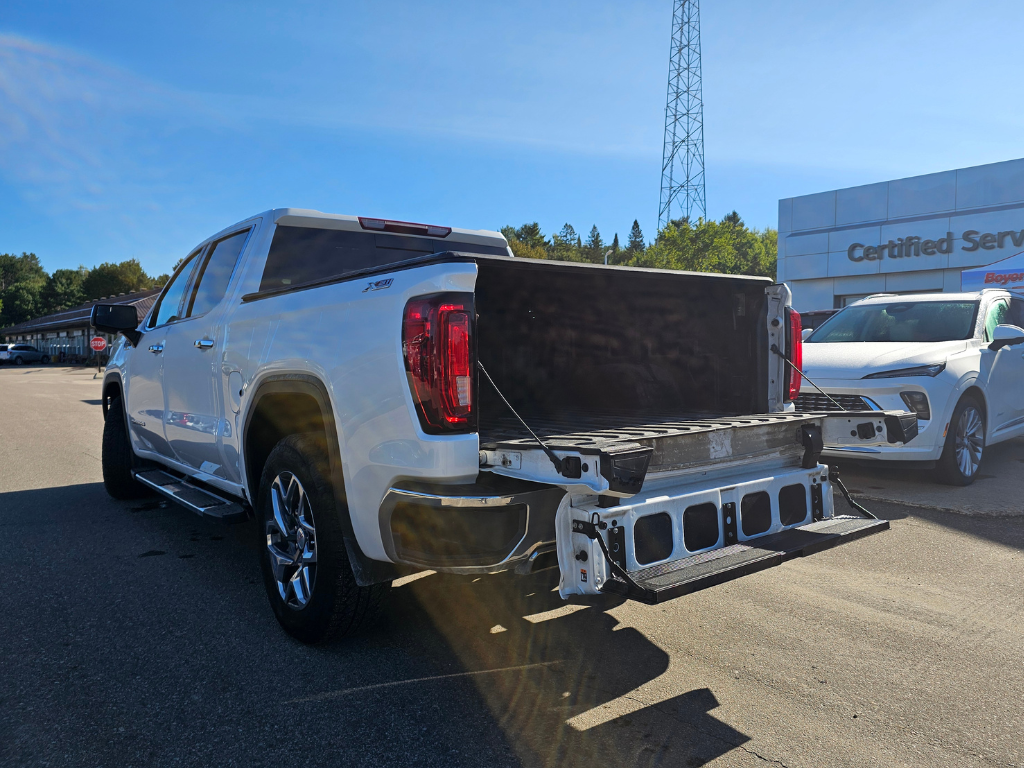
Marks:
<point>199,500</point>
<point>670,580</point>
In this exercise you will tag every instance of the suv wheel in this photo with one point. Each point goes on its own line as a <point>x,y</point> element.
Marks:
<point>305,565</point>
<point>118,459</point>
<point>965,443</point>
<point>18,360</point>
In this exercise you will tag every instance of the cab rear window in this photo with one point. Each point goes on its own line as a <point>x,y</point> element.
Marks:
<point>300,255</point>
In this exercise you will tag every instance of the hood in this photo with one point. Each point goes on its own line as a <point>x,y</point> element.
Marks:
<point>855,360</point>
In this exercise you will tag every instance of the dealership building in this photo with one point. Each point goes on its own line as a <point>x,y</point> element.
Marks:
<point>949,231</point>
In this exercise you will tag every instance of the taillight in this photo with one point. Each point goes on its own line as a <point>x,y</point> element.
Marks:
<point>437,341</point>
<point>795,354</point>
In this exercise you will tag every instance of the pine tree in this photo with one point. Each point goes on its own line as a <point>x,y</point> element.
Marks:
<point>530,234</point>
<point>615,257</point>
<point>593,250</point>
<point>527,241</point>
<point>636,239</point>
<point>563,245</point>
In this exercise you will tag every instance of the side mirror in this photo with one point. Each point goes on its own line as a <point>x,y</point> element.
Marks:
<point>805,333</point>
<point>123,319</point>
<point>1006,336</point>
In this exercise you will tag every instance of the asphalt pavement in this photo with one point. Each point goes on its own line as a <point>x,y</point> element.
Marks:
<point>137,634</point>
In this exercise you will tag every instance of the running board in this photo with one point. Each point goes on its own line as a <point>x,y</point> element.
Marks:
<point>681,577</point>
<point>199,500</point>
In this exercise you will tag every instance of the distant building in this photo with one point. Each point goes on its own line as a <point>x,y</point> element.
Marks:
<point>68,332</point>
<point>913,235</point>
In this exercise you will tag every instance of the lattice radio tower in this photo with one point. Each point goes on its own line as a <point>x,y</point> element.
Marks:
<point>682,158</point>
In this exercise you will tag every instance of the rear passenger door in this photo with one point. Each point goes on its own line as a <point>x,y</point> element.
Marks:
<point>194,420</point>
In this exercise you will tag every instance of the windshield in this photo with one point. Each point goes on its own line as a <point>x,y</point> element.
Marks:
<point>920,321</point>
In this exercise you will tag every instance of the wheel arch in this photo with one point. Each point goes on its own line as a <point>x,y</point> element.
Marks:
<point>979,394</point>
<point>293,403</point>
<point>112,388</point>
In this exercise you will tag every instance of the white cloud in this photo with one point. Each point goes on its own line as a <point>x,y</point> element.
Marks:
<point>70,125</point>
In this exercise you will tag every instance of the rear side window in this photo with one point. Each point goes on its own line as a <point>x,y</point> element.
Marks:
<point>215,274</point>
<point>301,255</point>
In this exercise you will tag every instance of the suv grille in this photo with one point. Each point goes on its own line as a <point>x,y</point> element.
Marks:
<point>815,401</point>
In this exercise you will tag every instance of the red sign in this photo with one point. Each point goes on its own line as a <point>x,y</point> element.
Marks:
<point>98,343</point>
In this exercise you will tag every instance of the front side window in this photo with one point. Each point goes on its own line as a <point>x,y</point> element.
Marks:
<point>167,307</point>
<point>1017,312</point>
<point>215,274</point>
<point>998,314</point>
<point>900,321</point>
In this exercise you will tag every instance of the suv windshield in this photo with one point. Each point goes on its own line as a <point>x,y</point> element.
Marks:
<point>920,321</point>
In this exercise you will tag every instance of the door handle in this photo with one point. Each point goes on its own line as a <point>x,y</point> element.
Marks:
<point>204,343</point>
<point>156,349</point>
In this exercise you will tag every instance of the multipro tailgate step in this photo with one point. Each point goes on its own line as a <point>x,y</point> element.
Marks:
<point>681,577</point>
<point>199,500</point>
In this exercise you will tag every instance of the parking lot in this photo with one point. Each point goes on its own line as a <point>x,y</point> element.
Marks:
<point>134,633</point>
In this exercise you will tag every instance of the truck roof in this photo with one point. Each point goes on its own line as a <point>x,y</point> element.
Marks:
<point>305,217</point>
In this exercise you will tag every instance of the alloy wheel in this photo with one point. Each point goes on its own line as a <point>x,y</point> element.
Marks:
<point>970,440</point>
<point>291,541</point>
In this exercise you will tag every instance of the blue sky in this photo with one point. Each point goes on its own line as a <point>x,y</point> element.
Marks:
<point>134,129</point>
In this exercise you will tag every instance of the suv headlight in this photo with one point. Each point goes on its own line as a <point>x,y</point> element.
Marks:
<point>921,370</point>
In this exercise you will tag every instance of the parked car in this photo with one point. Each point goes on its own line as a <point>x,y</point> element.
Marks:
<point>386,397</point>
<point>19,354</point>
<point>955,359</point>
<point>812,320</point>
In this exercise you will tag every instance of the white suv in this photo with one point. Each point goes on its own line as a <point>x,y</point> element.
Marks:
<point>953,358</point>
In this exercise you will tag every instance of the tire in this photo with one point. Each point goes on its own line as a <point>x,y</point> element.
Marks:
<point>315,600</point>
<point>18,361</point>
<point>44,359</point>
<point>964,448</point>
<point>118,459</point>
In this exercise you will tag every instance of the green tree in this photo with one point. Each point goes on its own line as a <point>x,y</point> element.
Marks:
<point>594,248</point>
<point>635,245</point>
<point>527,241</point>
<point>726,247</point>
<point>615,257</point>
<point>530,234</point>
<point>22,279</point>
<point>110,279</point>
<point>64,289</point>
<point>565,246</point>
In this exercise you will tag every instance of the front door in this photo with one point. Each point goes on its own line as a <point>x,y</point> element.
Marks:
<point>1003,372</point>
<point>145,404</point>
<point>194,422</point>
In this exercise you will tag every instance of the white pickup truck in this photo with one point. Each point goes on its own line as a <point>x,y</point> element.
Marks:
<point>387,397</point>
